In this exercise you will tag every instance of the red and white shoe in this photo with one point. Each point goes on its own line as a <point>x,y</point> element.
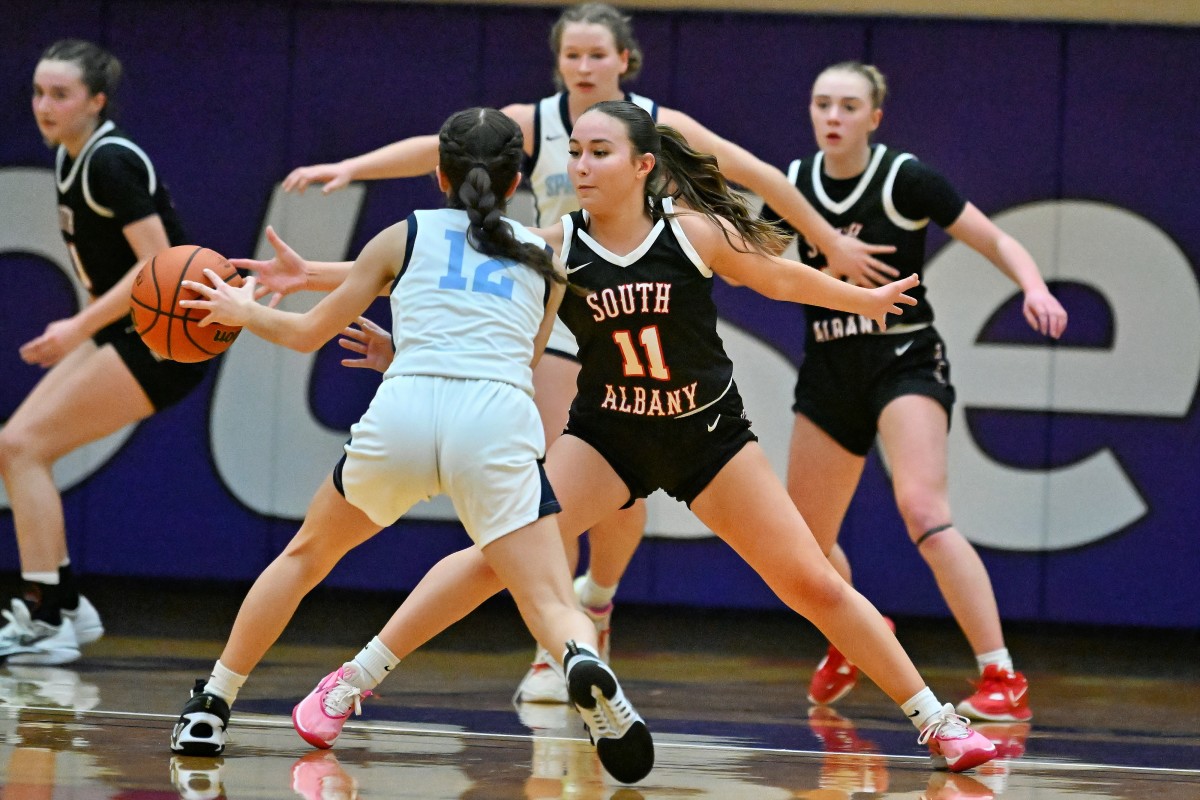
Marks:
<point>835,676</point>
<point>952,743</point>
<point>1000,696</point>
<point>319,717</point>
<point>543,683</point>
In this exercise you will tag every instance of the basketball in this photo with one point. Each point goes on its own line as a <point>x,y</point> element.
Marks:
<point>168,329</point>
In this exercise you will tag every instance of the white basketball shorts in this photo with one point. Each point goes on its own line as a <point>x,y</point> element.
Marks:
<point>476,441</point>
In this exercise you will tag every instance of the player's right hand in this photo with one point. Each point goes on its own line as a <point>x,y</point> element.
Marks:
<point>283,274</point>
<point>334,176</point>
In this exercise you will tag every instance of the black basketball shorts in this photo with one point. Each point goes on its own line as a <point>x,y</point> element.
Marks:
<point>681,456</point>
<point>164,382</point>
<point>845,384</point>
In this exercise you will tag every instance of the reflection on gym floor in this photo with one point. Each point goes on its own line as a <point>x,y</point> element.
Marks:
<point>726,726</point>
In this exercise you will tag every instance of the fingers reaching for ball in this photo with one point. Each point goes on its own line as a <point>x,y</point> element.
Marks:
<point>225,303</point>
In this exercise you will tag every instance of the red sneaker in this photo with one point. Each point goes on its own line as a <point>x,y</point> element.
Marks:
<point>835,676</point>
<point>1000,696</point>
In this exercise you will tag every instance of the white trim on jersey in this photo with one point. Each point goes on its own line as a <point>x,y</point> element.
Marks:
<point>889,205</point>
<point>794,171</point>
<point>152,182</point>
<point>684,243</point>
<point>629,258</point>
<point>863,182</point>
<point>709,404</point>
<point>65,183</point>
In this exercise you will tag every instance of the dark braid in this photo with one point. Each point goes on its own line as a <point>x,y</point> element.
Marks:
<point>683,173</point>
<point>480,153</point>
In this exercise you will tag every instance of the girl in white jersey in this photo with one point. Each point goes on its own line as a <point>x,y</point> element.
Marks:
<point>473,297</point>
<point>596,51</point>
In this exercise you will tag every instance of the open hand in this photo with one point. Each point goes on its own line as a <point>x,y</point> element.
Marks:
<point>888,298</point>
<point>371,342</point>
<point>334,176</point>
<point>226,304</point>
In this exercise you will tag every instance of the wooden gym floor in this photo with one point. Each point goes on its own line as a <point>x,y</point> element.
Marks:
<point>1117,712</point>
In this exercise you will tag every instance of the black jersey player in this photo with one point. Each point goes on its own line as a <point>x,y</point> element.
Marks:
<point>114,212</point>
<point>855,384</point>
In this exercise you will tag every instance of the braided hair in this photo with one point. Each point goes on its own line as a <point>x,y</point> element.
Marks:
<point>479,153</point>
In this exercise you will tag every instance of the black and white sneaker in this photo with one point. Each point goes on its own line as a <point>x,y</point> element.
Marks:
<point>620,734</point>
<point>200,730</point>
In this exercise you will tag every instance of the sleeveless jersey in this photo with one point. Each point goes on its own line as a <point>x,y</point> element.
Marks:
<point>869,213</point>
<point>110,185</point>
<point>647,327</point>
<point>458,313</point>
<point>553,194</point>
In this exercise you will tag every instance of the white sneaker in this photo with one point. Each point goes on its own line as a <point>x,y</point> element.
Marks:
<point>47,686</point>
<point>25,640</point>
<point>197,777</point>
<point>544,683</point>
<point>86,619</point>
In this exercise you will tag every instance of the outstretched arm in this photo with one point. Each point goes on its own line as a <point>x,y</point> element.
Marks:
<point>407,158</point>
<point>1042,310</point>
<point>372,272</point>
<point>845,255</point>
<point>784,279</point>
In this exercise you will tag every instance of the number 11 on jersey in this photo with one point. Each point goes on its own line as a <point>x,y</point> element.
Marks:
<point>652,344</point>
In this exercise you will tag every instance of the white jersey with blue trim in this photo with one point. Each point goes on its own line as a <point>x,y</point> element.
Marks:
<point>458,313</point>
<point>553,193</point>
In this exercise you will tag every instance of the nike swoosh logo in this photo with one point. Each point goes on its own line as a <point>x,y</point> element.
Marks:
<point>713,427</point>
<point>918,711</point>
<point>555,136</point>
<point>902,349</point>
<point>576,269</point>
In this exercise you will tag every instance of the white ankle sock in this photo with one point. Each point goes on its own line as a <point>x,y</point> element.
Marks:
<point>224,683</point>
<point>371,665</point>
<point>48,578</point>
<point>593,595</point>
<point>921,707</point>
<point>999,657</point>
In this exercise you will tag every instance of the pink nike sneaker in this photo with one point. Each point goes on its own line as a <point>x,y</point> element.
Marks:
<point>317,776</point>
<point>319,717</point>
<point>952,743</point>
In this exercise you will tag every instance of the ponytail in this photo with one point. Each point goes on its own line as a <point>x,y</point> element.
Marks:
<point>479,150</point>
<point>691,176</point>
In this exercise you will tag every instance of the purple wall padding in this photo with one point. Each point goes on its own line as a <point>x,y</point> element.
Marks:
<point>229,96</point>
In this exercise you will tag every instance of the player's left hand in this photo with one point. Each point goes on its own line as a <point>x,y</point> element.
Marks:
<point>1044,313</point>
<point>888,298</point>
<point>60,337</point>
<point>855,261</point>
<point>226,304</point>
<point>371,342</point>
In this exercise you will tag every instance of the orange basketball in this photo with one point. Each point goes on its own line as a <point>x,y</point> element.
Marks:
<point>168,329</point>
